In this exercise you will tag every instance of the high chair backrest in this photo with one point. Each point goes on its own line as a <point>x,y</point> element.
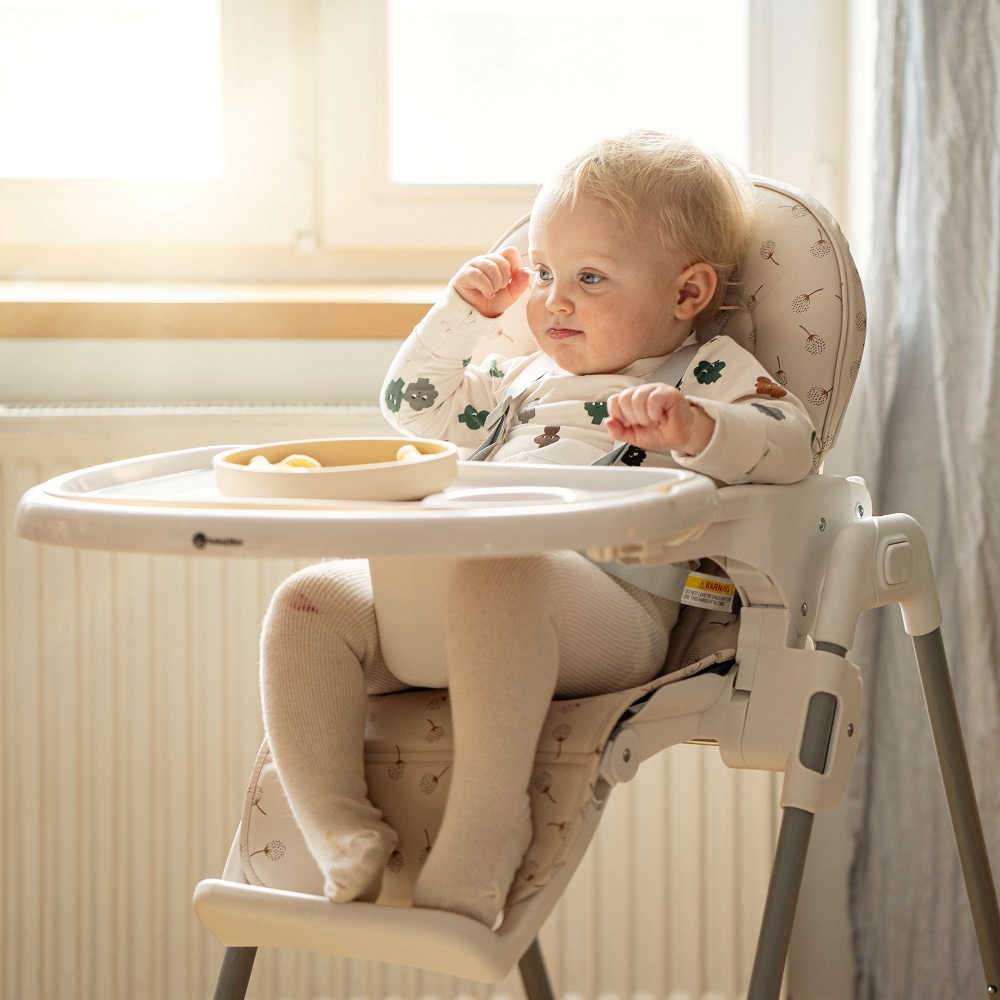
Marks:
<point>798,306</point>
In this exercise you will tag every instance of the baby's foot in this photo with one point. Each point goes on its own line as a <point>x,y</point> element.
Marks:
<point>353,864</point>
<point>472,875</point>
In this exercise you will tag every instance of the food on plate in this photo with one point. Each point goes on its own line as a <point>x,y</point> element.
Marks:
<point>297,463</point>
<point>300,462</point>
<point>408,453</point>
<point>291,462</point>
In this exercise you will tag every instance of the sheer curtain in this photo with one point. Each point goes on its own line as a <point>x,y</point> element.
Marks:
<point>921,432</point>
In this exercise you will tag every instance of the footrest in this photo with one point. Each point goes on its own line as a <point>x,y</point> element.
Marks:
<point>240,915</point>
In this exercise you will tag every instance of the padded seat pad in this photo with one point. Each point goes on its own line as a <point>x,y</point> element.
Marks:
<point>408,754</point>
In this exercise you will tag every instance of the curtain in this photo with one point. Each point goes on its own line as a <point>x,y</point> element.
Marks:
<point>921,432</point>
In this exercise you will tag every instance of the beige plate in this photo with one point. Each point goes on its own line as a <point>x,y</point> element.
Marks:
<point>351,469</point>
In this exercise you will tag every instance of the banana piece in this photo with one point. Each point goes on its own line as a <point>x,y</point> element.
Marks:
<point>408,453</point>
<point>300,462</point>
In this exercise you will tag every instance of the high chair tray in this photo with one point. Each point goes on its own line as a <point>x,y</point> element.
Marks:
<point>169,504</point>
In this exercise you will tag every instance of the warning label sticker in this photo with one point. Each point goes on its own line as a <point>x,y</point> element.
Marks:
<point>709,592</point>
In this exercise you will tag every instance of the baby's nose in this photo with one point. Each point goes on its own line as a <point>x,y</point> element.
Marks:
<point>558,302</point>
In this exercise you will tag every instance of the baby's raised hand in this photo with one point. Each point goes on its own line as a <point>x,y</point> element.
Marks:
<point>493,282</point>
<point>658,417</point>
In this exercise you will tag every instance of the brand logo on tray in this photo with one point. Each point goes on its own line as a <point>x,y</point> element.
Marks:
<point>200,541</point>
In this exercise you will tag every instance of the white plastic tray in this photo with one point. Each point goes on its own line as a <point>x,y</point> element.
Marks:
<point>168,503</point>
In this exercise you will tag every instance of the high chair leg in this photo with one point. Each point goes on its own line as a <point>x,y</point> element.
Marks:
<point>953,760</point>
<point>779,910</point>
<point>790,860</point>
<point>534,975</point>
<point>789,864</point>
<point>234,976</point>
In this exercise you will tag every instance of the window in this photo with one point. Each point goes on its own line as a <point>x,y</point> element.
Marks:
<point>544,79</point>
<point>376,140</point>
<point>119,90</point>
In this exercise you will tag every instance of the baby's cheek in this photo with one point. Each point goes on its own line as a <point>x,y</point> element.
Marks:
<point>531,312</point>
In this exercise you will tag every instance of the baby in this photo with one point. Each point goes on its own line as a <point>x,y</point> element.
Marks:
<point>628,245</point>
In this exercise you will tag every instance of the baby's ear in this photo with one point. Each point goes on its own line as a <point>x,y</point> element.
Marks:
<point>696,286</point>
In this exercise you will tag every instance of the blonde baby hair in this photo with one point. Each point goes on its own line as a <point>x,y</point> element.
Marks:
<point>700,204</point>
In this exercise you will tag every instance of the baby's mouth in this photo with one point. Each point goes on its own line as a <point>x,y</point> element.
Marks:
<point>562,332</point>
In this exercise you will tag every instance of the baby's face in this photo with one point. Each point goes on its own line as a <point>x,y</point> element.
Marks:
<point>601,297</point>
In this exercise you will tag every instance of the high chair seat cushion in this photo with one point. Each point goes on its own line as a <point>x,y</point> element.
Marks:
<point>408,754</point>
<point>799,307</point>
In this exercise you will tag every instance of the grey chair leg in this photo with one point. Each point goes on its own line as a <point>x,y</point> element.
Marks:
<point>234,976</point>
<point>534,975</point>
<point>790,859</point>
<point>782,899</point>
<point>953,760</point>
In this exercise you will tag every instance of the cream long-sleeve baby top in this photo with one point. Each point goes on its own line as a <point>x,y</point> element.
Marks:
<point>762,434</point>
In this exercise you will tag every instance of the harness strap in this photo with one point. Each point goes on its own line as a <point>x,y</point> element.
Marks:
<point>496,421</point>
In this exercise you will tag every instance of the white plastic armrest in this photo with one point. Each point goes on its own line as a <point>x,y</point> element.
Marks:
<point>874,562</point>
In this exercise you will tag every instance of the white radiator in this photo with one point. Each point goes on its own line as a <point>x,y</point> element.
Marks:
<point>129,721</point>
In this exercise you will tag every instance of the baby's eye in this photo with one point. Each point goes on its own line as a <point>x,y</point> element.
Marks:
<point>589,278</point>
<point>543,273</point>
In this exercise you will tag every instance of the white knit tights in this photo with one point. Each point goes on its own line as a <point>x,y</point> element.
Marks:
<point>520,631</point>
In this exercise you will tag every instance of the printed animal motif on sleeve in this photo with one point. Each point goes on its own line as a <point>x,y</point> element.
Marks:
<point>771,411</point>
<point>765,387</point>
<point>421,394</point>
<point>394,395</point>
<point>549,436</point>
<point>708,372</point>
<point>472,418</point>
<point>633,456</point>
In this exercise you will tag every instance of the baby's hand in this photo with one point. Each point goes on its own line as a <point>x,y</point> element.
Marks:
<point>658,417</point>
<point>493,282</point>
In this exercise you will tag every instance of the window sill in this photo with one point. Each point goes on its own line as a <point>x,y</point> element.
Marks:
<point>142,311</point>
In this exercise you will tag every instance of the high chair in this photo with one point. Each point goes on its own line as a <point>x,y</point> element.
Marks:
<point>758,665</point>
<point>806,561</point>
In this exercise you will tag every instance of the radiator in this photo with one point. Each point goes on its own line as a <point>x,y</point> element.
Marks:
<point>130,721</point>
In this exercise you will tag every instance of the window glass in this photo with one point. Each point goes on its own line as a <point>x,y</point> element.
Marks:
<point>121,89</point>
<point>496,94</point>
